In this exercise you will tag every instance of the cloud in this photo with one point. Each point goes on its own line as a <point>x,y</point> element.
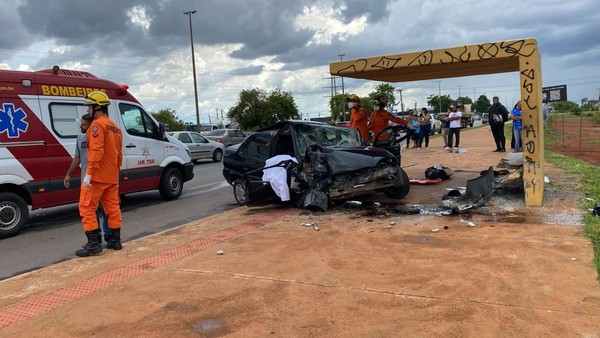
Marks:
<point>241,44</point>
<point>251,70</point>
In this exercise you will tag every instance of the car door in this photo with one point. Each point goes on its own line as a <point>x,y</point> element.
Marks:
<point>202,145</point>
<point>143,150</point>
<point>236,136</point>
<point>252,155</point>
<point>186,139</point>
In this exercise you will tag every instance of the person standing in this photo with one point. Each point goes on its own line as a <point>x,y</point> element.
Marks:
<point>497,116</point>
<point>380,118</point>
<point>425,131</point>
<point>454,131</point>
<point>101,180</point>
<point>81,158</point>
<point>446,126</point>
<point>517,127</point>
<point>358,116</point>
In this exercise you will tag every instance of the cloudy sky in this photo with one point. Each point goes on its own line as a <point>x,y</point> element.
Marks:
<point>268,44</point>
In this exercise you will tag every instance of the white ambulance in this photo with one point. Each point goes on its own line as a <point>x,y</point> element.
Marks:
<point>39,124</point>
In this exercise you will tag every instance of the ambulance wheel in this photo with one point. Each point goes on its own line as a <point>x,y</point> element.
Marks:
<point>13,214</point>
<point>240,191</point>
<point>399,191</point>
<point>171,184</point>
<point>218,155</point>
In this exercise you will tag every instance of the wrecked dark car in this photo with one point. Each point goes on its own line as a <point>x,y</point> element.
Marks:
<point>324,163</point>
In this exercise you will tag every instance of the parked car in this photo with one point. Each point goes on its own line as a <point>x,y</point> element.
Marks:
<point>485,118</point>
<point>200,147</point>
<point>228,137</point>
<point>436,125</point>
<point>333,163</point>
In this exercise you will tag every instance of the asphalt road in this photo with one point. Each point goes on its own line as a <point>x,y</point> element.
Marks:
<point>54,234</point>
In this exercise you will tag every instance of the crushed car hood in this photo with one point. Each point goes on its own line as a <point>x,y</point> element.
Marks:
<point>343,160</point>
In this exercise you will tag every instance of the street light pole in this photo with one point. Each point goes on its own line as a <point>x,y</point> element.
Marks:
<point>189,14</point>
<point>440,96</point>
<point>459,91</point>
<point>401,104</point>
<point>343,94</point>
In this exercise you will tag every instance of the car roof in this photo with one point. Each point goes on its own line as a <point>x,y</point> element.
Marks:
<point>281,124</point>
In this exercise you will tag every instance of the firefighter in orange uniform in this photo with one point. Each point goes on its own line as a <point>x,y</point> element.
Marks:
<point>101,180</point>
<point>358,116</point>
<point>380,118</point>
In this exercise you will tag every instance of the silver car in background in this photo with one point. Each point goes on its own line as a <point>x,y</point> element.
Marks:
<point>200,147</point>
<point>228,137</point>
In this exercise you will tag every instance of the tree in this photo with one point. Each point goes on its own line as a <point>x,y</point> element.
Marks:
<point>256,108</point>
<point>169,118</point>
<point>434,101</point>
<point>482,105</point>
<point>566,107</point>
<point>464,100</point>
<point>386,90</point>
<point>337,106</point>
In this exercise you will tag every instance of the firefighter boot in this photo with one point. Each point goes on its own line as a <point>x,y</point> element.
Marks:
<point>115,240</point>
<point>93,245</point>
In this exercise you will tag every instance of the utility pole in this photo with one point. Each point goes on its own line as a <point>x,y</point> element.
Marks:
<point>189,14</point>
<point>401,103</point>
<point>459,91</point>
<point>439,97</point>
<point>343,94</point>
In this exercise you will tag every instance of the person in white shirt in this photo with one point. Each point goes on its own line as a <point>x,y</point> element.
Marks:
<point>454,130</point>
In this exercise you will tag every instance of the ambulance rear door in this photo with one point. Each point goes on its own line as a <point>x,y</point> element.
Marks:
<point>143,150</point>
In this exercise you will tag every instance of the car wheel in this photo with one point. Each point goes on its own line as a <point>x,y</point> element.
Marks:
<point>13,214</point>
<point>398,192</point>
<point>218,155</point>
<point>240,191</point>
<point>171,184</point>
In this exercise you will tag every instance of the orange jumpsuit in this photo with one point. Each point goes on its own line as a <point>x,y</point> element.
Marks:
<point>358,120</point>
<point>380,120</point>
<point>105,155</point>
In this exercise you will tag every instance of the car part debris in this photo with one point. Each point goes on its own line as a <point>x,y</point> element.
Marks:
<point>478,192</point>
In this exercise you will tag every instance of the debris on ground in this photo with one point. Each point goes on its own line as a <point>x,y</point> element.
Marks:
<point>477,193</point>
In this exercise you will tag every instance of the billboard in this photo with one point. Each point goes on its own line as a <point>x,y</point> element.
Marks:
<point>554,94</point>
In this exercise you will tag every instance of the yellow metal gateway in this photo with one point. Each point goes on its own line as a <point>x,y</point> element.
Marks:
<point>520,55</point>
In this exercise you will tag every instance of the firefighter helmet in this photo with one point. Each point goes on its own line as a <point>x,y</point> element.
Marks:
<point>380,101</point>
<point>353,97</point>
<point>96,98</point>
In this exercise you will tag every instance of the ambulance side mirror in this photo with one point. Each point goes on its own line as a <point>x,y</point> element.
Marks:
<point>162,133</point>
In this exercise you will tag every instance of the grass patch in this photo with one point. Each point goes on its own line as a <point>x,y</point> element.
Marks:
<point>589,177</point>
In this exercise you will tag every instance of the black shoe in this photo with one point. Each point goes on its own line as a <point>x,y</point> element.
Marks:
<point>93,246</point>
<point>115,240</point>
<point>502,150</point>
<point>497,150</point>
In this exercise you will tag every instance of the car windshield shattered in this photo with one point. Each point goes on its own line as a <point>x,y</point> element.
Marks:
<point>325,136</point>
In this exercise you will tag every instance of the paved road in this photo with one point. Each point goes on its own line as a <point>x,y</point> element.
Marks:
<point>54,234</point>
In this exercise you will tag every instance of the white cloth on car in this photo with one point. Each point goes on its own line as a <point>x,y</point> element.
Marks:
<point>277,176</point>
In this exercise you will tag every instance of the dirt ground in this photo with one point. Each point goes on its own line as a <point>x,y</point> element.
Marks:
<point>579,138</point>
<point>516,272</point>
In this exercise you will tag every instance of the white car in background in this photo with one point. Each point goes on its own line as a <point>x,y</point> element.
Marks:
<point>436,125</point>
<point>200,147</point>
